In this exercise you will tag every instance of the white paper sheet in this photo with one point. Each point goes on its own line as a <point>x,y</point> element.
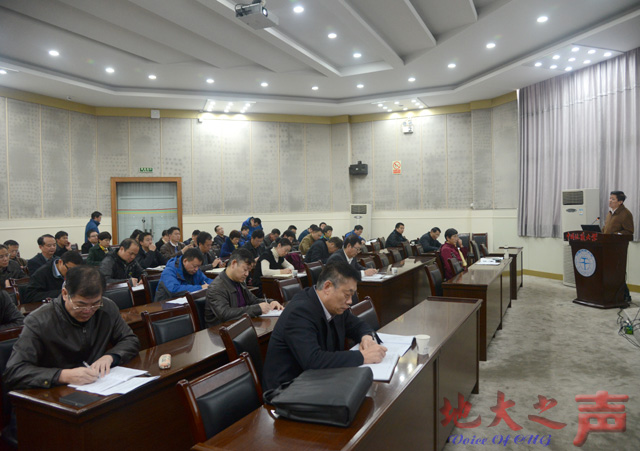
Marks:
<point>116,376</point>
<point>272,313</point>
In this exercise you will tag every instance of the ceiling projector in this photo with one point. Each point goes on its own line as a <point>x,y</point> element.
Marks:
<point>256,15</point>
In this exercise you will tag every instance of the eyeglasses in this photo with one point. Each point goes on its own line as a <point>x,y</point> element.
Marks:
<point>86,308</point>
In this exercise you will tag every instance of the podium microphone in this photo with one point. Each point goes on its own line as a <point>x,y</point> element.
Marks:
<point>597,219</point>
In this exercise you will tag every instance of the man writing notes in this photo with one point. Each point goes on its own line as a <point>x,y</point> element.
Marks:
<point>396,238</point>
<point>307,241</point>
<point>321,250</point>
<point>310,333</point>
<point>619,221</point>
<point>429,241</point>
<point>78,326</point>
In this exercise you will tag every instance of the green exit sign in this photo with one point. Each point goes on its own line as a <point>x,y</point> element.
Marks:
<point>147,170</point>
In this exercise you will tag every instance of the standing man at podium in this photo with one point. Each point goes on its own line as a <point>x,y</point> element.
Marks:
<point>619,221</point>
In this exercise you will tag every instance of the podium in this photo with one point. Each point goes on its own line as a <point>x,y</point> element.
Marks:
<point>600,267</point>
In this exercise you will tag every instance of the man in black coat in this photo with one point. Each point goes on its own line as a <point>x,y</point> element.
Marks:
<point>48,279</point>
<point>148,255</point>
<point>396,238</point>
<point>321,250</point>
<point>47,245</point>
<point>311,331</point>
<point>350,250</point>
<point>429,240</point>
<point>120,265</point>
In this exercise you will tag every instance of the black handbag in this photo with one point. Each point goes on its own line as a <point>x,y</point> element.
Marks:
<point>331,396</point>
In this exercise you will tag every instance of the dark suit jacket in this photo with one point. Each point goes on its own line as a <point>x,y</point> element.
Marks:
<point>303,340</point>
<point>43,284</point>
<point>34,263</point>
<point>341,256</point>
<point>318,252</point>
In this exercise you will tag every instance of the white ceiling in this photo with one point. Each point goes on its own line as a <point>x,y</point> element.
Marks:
<point>184,42</point>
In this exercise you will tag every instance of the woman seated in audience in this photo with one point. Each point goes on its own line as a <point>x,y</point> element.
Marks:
<point>272,262</point>
<point>98,252</point>
<point>230,244</point>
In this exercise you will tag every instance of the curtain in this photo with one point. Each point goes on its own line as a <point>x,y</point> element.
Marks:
<point>579,130</point>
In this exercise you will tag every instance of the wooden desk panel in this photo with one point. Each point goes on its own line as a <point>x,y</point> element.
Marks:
<point>517,271</point>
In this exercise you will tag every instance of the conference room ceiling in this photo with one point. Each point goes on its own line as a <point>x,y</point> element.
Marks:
<point>395,50</point>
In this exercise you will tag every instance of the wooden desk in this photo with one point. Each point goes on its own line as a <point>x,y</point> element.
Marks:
<point>400,293</point>
<point>151,417</point>
<point>491,285</point>
<point>517,268</point>
<point>401,414</point>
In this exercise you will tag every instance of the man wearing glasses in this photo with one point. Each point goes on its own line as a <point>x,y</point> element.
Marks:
<point>47,281</point>
<point>76,327</point>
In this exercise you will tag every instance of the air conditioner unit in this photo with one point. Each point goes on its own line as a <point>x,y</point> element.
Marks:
<point>579,206</point>
<point>361,215</point>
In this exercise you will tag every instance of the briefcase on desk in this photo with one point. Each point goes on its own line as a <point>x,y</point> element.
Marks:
<point>331,396</point>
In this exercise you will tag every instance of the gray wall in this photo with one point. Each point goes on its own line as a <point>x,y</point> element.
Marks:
<point>59,163</point>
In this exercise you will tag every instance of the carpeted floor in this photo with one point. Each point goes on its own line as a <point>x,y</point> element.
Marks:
<point>551,347</point>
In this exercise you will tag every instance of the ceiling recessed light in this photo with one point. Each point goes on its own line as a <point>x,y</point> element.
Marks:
<point>3,72</point>
<point>591,52</point>
<point>553,66</point>
<point>586,61</point>
<point>571,60</point>
<point>568,68</point>
<point>538,64</point>
<point>209,80</point>
<point>491,45</point>
<point>110,70</point>
<point>380,105</point>
<point>152,77</point>
<point>298,9</point>
<point>556,57</point>
<point>412,79</point>
<point>421,106</point>
<point>405,109</point>
<point>264,84</point>
<point>357,55</point>
<point>397,102</point>
<point>230,104</point>
<point>226,111</point>
<point>575,49</point>
<point>607,53</point>
<point>451,65</point>
<point>54,53</point>
<point>332,35</point>
<point>542,19</point>
<point>315,88</point>
<point>360,86</point>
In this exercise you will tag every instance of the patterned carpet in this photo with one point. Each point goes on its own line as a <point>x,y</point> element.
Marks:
<point>551,347</point>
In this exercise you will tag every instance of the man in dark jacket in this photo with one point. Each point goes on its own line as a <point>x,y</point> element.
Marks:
<point>148,255</point>
<point>429,240</point>
<point>310,333</point>
<point>321,250</point>
<point>47,245</point>
<point>120,265</point>
<point>87,245</point>
<point>48,279</point>
<point>9,269</point>
<point>396,238</point>
<point>62,243</point>
<point>255,245</point>
<point>10,316</point>
<point>209,259</point>
<point>77,327</point>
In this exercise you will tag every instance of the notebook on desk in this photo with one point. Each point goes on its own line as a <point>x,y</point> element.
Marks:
<point>591,228</point>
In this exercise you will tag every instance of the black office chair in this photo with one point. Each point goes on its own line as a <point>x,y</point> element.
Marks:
<point>366,311</point>
<point>170,324</point>
<point>368,263</point>
<point>8,338</point>
<point>382,260</point>
<point>435,279</point>
<point>476,250</point>
<point>480,238</point>
<point>406,247</point>
<point>198,300</point>
<point>376,246</point>
<point>221,397</point>
<point>484,250</point>
<point>313,270</point>
<point>14,295</point>
<point>382,242</point>
<point>288,288</point>
<point>150,286</point>
<point>240,337</point>
<point>120,294</point>
<point>395,254</point>
<point>456,265</point>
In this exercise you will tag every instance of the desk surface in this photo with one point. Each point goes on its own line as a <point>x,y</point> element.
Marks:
<point>479,275</point>
<point>438,319</point>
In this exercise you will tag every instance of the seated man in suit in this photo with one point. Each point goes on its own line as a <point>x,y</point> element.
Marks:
<point>396,238</point>
<point>8,268</point>
<point>48,279</point>
<point>311,332</point>
<point>357,230</point>
<point>10,316</point>
<point>429,241</point>
<point>255,245</point>
<point>194,237</point>
<point>14,252</point>
<point>148,255</point>
<point>452,248</point>
<point>47,245</point>
<point>321,250</point>
<point>98,252</point>
<point>164,239</point>
<point>121,264</point>
<point>351,248</point>
<point>78,326</point>
<point>307,241</point>
<point>181,274</point>
<point>62,243</point>
<point>228,297</point>
<point>204,241</point>
<point>271,238</point>
<point>174,246</point>
<point>87,245</point>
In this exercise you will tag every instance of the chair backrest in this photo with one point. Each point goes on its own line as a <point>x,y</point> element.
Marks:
<point>439,262</point>
<point>376,246</point>
<point>406,246</point>
<point>395,254</point>
<point>8,337</point>
<point>435,279</point>
<point>288,288</point>
<point>221,397</point>
<point>455,265</point>
<point>14,294</point>
<point>381,260</point>
<point>198,301</point>
<point>151,285</point>
<point>367,262</point>
<point>481,238</point>
<point>120,294</point>
<point>484,250</point>
<point>313,270</point>
<point>366,311</point>
<point>465,237</point>
<point>239,337</point>
<point>476,250</point>
<point>166,325</point>
<point>383,242</point>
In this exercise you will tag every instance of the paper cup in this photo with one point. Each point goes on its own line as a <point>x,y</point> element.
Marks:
<point>394,271</point>
<point>423,343</point>
<point>294,272</point>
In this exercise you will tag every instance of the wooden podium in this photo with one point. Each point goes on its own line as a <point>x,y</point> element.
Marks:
<point>600,267</point>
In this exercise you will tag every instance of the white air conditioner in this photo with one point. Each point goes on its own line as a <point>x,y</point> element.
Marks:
<point>361,215</point>
<point>579,206</point>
